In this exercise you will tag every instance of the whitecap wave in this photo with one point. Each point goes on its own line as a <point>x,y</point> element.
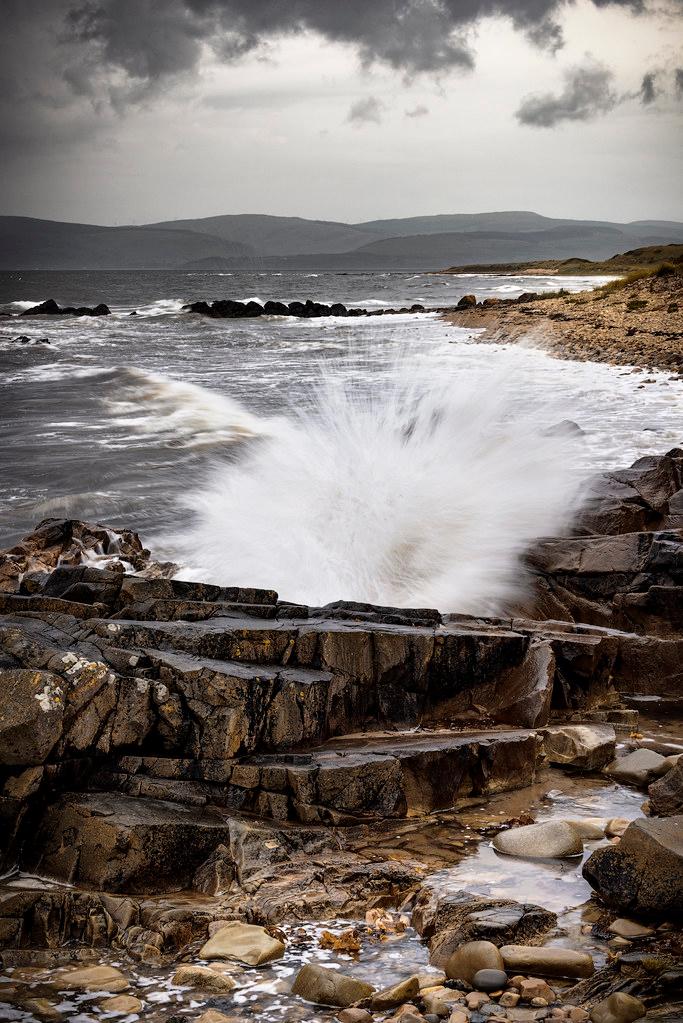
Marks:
<point>415,493</point>
<point>179,412</point>
<point>162,307</point>
<point>20,306</point>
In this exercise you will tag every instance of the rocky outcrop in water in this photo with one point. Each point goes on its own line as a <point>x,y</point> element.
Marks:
<point>51,308</point>
<point>229,309</point>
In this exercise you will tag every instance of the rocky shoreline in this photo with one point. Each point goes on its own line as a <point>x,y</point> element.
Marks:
<point>222,806</point>
<point>639,323</point>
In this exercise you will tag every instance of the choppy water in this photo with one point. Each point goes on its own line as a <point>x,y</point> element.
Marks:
<point>121,418</point>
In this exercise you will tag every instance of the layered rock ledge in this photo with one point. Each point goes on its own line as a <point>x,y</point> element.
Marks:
<point>175,755</point>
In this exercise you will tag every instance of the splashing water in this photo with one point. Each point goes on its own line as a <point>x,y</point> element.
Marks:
<point>414,493</point>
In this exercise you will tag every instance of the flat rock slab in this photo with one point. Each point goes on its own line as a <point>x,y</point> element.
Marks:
<point>118,843</point>
<point>385,775</point>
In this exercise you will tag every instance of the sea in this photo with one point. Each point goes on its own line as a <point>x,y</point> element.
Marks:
<point>397,459</point>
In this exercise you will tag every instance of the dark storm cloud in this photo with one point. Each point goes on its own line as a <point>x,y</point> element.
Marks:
<point>588,91</point>
<point>150,40</point>
<point>648,89</point>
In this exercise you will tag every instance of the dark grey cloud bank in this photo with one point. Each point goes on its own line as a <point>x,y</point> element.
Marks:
<point>150,40</point>
<point>93,92</point>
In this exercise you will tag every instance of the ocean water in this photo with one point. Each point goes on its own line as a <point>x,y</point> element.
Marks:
<point>397,459</point>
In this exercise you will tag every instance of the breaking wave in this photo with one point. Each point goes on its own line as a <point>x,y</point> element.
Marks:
<point>412,492</point>
<point>183,413</point>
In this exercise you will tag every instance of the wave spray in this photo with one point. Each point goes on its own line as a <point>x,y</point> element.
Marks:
<point>407,491</point>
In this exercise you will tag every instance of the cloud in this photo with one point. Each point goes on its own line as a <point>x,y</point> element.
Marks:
<point>678,82</point>
<point>588,91</point>
<point>419,111</point>
<point>366,111</point>
<point>648,89</point>
<point>150,41</point>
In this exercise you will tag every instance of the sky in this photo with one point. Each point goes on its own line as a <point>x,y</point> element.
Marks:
<point>135,111</point>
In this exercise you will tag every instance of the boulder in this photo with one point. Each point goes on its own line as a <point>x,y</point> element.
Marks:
<point>90,978</point>
<point>588,828</point>
<point>121,1004</point>
<point>31,716</point>
<point>548,962</point>
<point>472,957</point>
<point>467,302</point>
<point>329,987</point>
<point>549,839</point>
<point>440,1000</point>
<point>489,980</point>
<point>214,1016</point>
<point>397,994</point>
<point>637,768</point>
<point>203,978</point>
<point>666,794</point>
<point>629,929</point>
<point>579,747</point>
<point>618,1008</point>
<point>245,943</point>
<point>643,874</point>
<point>354,1016</point>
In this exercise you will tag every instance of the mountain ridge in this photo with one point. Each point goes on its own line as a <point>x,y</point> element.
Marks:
<point>237,241</point>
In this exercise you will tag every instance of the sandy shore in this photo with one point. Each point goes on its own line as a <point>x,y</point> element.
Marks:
<point>638,323</point>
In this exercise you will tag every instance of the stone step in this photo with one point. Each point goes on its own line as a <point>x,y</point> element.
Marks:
<point>387,674</point>
<point>347,779</point>
<point>118,843</point>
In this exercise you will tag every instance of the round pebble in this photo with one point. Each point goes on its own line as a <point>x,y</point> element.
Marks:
<point>489,980</point>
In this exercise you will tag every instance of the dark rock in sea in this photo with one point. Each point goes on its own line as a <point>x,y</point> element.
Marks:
<point>526,296</point>
<point>47,308</point>
<point>24,339</point>
<point>467,302</point>
<point>276,309</point>
<point>50,308</point>
<point>643,874</point>
<point>229,309</point>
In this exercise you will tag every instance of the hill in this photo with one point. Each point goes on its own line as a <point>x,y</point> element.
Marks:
<point>27,243</point>
<point>622,262</point>
<point>249,241</point>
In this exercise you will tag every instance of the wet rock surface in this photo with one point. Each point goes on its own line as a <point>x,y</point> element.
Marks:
<point>643,874</point>
<point>51,308</point>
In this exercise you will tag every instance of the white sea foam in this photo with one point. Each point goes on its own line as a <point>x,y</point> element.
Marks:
<point>184,413</point>
<point>419,493</point>
<point>162,307</point>
<point>20,306</point>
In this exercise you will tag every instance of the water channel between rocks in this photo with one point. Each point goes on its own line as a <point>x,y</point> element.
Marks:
<point>456,848</point>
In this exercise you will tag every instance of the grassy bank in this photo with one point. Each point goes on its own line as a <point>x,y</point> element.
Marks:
<point>633,261</point>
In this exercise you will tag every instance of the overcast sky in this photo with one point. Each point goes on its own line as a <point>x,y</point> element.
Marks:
<point>131,111</point>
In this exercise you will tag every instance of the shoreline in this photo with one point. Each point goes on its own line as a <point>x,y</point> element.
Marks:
<point>631,322</point>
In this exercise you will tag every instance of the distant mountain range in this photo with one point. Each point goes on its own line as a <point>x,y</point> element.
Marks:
<point>254,241</point>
